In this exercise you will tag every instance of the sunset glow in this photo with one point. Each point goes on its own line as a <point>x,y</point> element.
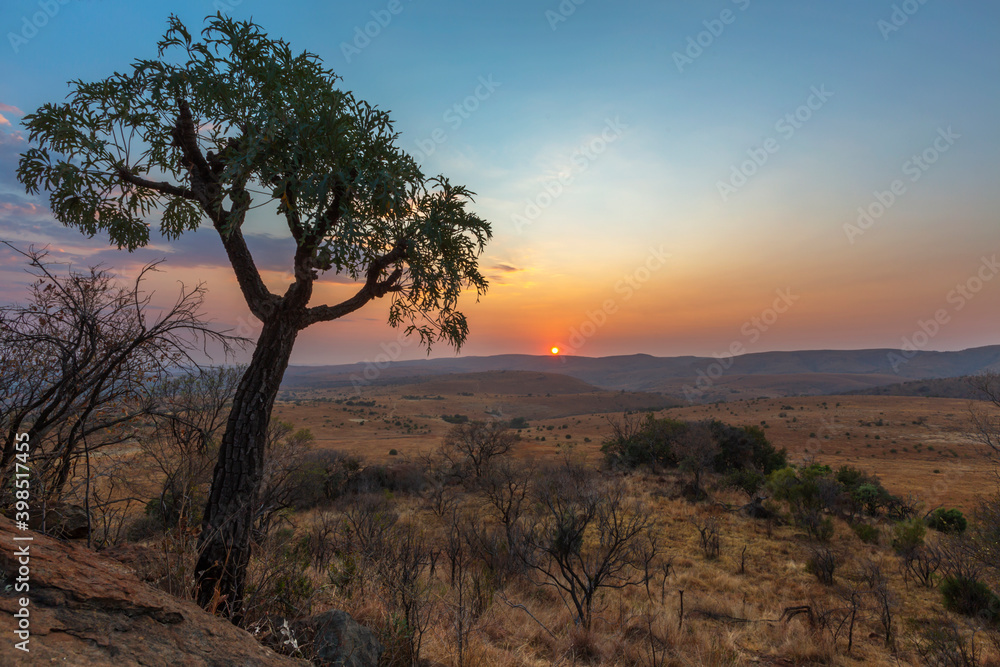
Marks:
<point>741,193</point>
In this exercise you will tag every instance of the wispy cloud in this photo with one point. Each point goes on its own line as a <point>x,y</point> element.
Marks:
<point>11,109</point>
<point>505,268</point>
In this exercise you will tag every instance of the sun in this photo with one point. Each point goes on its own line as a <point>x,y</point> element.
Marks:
<point>555,350</point>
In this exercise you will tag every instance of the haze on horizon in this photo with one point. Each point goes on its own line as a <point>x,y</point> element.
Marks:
<point>663,178</point>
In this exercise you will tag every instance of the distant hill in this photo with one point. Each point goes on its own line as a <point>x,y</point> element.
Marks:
<point>960,387</point>
<point>699,379</point>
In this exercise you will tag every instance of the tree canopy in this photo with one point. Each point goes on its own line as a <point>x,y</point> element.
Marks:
<point>216,127</point>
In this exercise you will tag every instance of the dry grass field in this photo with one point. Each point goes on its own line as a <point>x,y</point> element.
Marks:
<point>736,605</point>
<point>916,445</point>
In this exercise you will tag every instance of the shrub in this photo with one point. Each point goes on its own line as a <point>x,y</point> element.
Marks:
<point>866,532</point>
<point>747,481</point>
<point>970,597</point>
<point>809,493</point>
<point>746,448</point>
<point>870,497</point>
<point>321,476</point>
<point>908,535</point>
<point>518,423</point>
<point>947,520</point>
<point>822,563</point>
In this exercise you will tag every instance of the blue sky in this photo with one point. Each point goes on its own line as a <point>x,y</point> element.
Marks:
<point>687,96</point>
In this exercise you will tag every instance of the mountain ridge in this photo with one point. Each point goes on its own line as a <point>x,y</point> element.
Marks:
<point>697,378</point>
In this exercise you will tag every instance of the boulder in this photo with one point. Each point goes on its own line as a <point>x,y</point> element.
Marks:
<point>87,609</point>
<point>62,520</point>
<point>339,641</point>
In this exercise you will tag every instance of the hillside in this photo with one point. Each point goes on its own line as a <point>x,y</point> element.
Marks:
<point>959,387</point>
<point>697,379</point>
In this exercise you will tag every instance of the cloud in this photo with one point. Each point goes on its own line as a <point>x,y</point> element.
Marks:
<point>506,268</point>
<point>4,121</point>
<point>25,223</point>
<point>11,145</point>
<point>11,109</point>
<point>14,206</point>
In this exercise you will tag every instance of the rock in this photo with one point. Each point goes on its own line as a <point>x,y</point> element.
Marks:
<point>339,641</point>
<point>62,520</point>
<point>147,562</point>
<point>87,609</point>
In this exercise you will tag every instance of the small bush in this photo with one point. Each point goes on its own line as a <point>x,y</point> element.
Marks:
<point>908,535</point>
<point>947,520</point>
<point>822,563</point>
<point>970,597</point>
<point>866,532</point>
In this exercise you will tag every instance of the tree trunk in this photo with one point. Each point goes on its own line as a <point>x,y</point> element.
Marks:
<point>224,543</point>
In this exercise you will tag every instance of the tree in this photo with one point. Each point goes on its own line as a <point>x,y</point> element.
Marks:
<point>985,421</point>
<point>215,126</point>
<point>697,450</point>
<point>588,535</point>
<point>476,444</point>
<point>77,363</point>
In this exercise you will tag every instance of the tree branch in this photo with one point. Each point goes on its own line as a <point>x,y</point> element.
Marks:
<point>372,289</point>
<point>159,186</point>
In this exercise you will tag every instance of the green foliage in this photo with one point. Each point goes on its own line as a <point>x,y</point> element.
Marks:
<point>652,444</point>
<point>518,423</point>
<point>745,447</point>
<point>809,493</point>
<point>866,532</point>
<point>456,418</point>
<point>908,535</point>
<point>655,441</point>
<point>228,112</point>
<point>870,498</point>
<point>947,520</point>
<point>747,481</point>
<point>322,476</point>
<point>970,597</point>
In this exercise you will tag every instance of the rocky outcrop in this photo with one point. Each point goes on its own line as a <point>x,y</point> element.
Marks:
<point>86,609</point>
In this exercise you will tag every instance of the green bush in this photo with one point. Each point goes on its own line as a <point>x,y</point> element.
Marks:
<point>652,444</point>
<point>746,448</point>
<point>518,423</point>
<point>970,597</point>
<point>747,481</point>
<point>866,532</point>
<point>908,535</point>
<point>740,448</point>
<point>947,520</point>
